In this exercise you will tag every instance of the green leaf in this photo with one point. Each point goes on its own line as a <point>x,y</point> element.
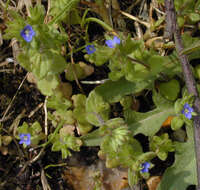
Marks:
<point>133,178</point>
<point>48,62</point>
<point>100,56</point>
<point>58,103</point>
<point>61,8</point>
<point>114,91</point>
<point>176,123</point>
<point>192,44</point>
<point>24,128</point>
<point>23,59</point>
<point>97,109</point>
<point>72,69</point>
<point>125,156</point>
<point>127,102</point>
<point>170,90</point>
<point>194,17</point>
<point>65,142</point>
<point>73,18</point>
<point>156,63</point>
<point>146,157</point>
<point>193,47</point>
<point>57,146</point>
<point>37,14</point>
<point>115,133</point>
<point>93,138</point>
<point>161,145</point>
<point>48,85</point>
<point>162,155</point>
<point>160,101</point>
<point>197,71</point>
<point>35,128</point>
<point>80,114</point>
<point>178,106</point>
<point>14,26</point>
<point>183,172</point>
<point>147,123</point>
<point>130,45</point>
<point>65,152</point>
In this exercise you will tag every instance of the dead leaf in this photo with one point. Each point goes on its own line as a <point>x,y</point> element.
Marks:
<point>153,182</point>
<point>135,105</point>
<point>86,177</point>
<point>31,78</point>
<point>66,89</point>
<point>6,140</point>
<point>67,129</point>
<point>44,181</point>
<point>4,150</point>
<point>88,69</point>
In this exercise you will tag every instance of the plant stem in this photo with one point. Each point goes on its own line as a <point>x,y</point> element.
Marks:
<point>172,28</point>
<point>103,24</point>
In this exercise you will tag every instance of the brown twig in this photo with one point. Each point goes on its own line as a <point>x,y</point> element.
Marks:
<point>173,29</point>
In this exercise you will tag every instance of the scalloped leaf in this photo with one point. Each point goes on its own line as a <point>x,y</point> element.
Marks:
<point>48,85</point>
<point>79,113</point>
<point>97,109</point>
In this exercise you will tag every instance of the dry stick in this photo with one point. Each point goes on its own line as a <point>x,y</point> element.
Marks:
<point>172,28</point>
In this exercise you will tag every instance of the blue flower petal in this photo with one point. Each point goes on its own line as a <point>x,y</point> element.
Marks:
<point>112,43</point>
<point>187,111</point>
<point>90,49</point>
<point>116,40</point>
<point>188,115</point>
<point>25,139</point>
<point>27,33</point>
<point>145,167</point>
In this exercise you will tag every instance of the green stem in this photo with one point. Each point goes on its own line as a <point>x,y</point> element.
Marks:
<point>83,18</point>
<point>103,24</point>
<point>54,134</point>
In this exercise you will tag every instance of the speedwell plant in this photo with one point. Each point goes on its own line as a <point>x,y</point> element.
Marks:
<point>134,69</point>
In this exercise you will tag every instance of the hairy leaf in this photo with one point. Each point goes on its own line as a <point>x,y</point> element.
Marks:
<point>147,123</point>
<point>97,109</point>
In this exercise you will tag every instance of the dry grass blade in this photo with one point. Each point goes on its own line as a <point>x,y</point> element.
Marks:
<point>44,181</point>
<point>135,19</point>
<point>27,3</point>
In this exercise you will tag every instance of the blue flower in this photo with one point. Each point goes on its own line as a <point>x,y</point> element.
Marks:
<point>25,139</point>
<point>145,167</point>
<point>112,43</point>
<point>27,33</point>
<point>90,49</point>
<point>187,111</point>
